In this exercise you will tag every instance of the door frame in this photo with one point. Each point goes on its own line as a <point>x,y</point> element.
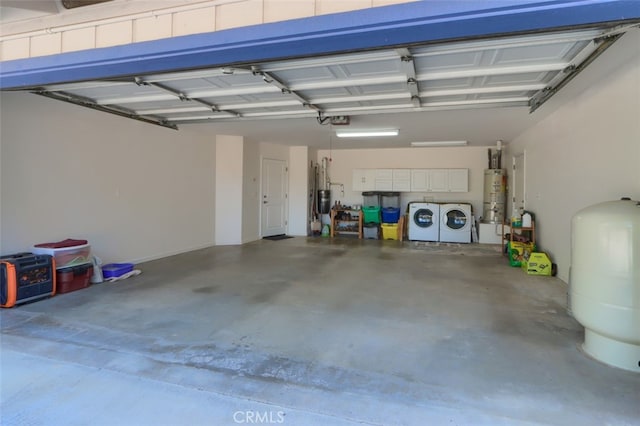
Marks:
<point>261,195</point>
<point>514,207</point>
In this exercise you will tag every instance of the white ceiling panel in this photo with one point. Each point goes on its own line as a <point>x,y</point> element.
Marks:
<point>508,71</point>
<point>520,78</point>
<point>448,61</point>
<point>115,91</point>
<point>161,105</point>
<point>545,53</point>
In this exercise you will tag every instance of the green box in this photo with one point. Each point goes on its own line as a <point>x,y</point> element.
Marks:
<point>537,264</point>
<point>371,214</point>
<point>517,252</point>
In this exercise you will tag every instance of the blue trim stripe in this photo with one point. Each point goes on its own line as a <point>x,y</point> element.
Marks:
<point>419,22</point>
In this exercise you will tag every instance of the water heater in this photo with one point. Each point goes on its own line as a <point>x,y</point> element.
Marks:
<point>605,281</point>
<point>495,195</point>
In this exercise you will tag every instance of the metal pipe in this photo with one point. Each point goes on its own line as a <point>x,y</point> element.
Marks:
<point>326,182</point>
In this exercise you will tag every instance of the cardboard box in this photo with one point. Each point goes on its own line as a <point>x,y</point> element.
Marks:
<point>537,264</point>
<point>517,252</point>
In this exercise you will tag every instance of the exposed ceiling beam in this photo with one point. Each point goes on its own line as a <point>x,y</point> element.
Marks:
<point>580,62</point>
<point>270,78</point>
<point>497,44</point>
<point>382,109</point>
<point>491,71</point>
<point>337,60</point>
<point>223,107</point>
<point>84,85</point>
<point>483,90</point>
<point>408,67</point>
<point>131,99</point>
<point>89,103</point>
<point>184,98</point>
<point>192,75</point>
<point>297,113</point>
<point>350,82</point>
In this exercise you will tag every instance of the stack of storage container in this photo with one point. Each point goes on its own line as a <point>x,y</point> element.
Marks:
<point>73,262</point>
<point>390,202</point>
<point>371,215</point>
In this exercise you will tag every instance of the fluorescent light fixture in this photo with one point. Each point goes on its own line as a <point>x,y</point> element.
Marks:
<point>439,143</point>
<point>366,133</point>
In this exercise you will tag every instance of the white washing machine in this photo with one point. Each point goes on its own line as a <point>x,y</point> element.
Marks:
<point>424,223</point>
<point>455,223</point>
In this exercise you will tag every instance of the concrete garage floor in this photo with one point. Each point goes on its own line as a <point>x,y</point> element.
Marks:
<point>311,331</point>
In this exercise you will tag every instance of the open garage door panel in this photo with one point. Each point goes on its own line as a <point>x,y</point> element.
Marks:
<point>412,57</point>
<point>512,71</point>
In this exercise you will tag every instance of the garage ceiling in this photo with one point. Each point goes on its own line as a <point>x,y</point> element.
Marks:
<point>502,72</point>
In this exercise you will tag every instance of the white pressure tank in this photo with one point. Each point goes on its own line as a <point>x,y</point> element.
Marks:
<point>605,281</point>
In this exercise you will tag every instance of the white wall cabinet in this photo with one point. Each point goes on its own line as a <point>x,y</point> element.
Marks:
<point>383,180</point>
<point>458,180</point>
<point>364,179</point>
<point>401,180</point>
<point>411,180</point>
<point>372,179</point>
<point>419,180</point>
<point>438,180</point>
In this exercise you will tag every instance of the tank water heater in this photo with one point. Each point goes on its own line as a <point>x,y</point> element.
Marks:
<point>495,195</point>
<point>605,281</point>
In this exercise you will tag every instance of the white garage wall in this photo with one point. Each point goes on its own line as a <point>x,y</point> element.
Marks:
<point>298,190</point>
<point>134,190</point>
<point>251,192</point>
<point>343,161</point>
<point>587,150</point>
<point>229,189</point>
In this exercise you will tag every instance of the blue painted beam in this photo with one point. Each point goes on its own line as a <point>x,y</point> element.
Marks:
<point>428,21</point>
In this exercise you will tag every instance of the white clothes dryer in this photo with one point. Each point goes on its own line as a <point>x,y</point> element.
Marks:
<point>455,223</point>
<point>424,222</point>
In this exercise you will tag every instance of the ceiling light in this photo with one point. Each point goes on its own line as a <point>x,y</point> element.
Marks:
<point>439,143</point>
<point>366,133</point>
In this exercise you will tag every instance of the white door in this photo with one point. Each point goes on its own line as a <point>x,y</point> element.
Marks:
<point>274,197</point>
<point>518,199</point>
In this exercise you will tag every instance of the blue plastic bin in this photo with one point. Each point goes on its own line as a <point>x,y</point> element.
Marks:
<point>390,215</point>
<point>115,270</point>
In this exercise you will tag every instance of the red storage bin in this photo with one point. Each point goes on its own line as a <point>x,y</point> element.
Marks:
<point>73,278</point>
